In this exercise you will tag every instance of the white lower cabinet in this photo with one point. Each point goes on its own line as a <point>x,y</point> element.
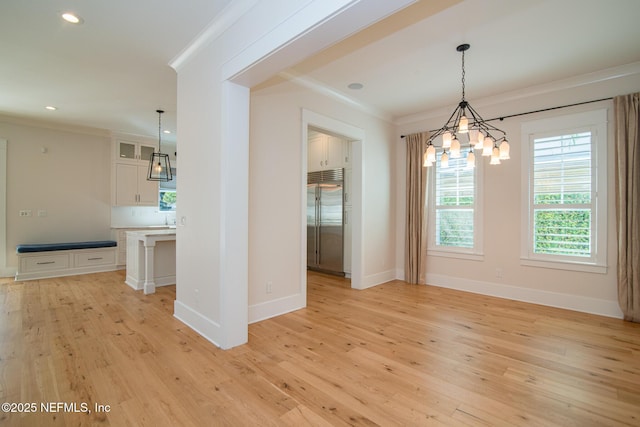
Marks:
<point>90,258</point>
<point>41,265</point>
<point>48,262</point>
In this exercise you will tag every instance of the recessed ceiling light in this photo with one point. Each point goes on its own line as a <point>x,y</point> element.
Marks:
<point>355,86</point>
<point>72,18</point>
<point>51,108</point>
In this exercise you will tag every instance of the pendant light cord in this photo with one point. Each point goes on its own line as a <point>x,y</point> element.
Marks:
<point>463,75</point>
<point>159,129</point>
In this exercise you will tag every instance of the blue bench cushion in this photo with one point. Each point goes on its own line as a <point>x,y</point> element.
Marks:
<point>43,247</point>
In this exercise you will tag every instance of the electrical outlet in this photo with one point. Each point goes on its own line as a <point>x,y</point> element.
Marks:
<point>25,212</point>
<point>269,287</point>
<point>498,273</point>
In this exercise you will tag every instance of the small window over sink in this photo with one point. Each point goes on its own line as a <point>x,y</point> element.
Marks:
<point>167,196</point>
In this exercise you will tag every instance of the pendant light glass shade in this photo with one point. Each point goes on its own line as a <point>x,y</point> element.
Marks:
<point>159,165</point>
<point>444,160</point>
<point>471,160</point>
<point>430,156</point>
<point>487,147</point>
<point>159,168</point>
<point>495,156</point>
<point>504,150</point>
<point>426,162</point>
<point>455,148</point>
<point>446,140</point>
<point>463,125</point>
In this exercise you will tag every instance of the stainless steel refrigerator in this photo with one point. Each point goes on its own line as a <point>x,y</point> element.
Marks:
<point>325,229</point>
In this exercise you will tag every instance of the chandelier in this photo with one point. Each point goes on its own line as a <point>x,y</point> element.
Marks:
<point>159,164</point>
<point>465,123</point>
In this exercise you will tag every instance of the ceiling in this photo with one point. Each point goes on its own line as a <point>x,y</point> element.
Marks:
<point>515,44</point>
<point>111,72</point>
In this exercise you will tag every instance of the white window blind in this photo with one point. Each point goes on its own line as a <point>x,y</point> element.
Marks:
<point>454,205</point>
<point>562,195</point>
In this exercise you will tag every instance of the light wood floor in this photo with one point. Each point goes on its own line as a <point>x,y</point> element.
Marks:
<point>392,355</point>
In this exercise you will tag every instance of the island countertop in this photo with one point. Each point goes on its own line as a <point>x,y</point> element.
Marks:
<point>151,259</point>
<point>151,232</point>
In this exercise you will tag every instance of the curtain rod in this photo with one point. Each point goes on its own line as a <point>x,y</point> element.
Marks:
<point>501,118</point>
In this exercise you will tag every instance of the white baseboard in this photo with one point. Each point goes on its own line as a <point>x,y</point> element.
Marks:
<point>138,285</point>
<point>210,330</point>
<point>268,309</point>
<point>75,271</point>
<point>8,272</point>
<point>377,279</point>
<point>552,299</point>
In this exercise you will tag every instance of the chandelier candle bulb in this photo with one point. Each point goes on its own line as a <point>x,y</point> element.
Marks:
<point>479,141</point>
<point>426,162</point>
<point>487,147</point>
<point>504,150</point>
<point>495,156</point>
<point>446,140</point>
<point>473,136</point>
<point>471,160</point>
<point>444,160</point>
<point>455,148</point>
<point>431,154</point>
<point>463,125</point>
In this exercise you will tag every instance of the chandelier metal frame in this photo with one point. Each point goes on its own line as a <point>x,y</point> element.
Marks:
<point>465,120</point>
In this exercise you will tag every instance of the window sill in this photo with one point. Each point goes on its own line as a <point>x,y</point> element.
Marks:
<point>458,255</point>
<point>564,265</point>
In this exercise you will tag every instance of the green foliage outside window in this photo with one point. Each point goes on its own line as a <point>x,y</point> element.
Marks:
<point>562,231</point>
<point>454,227</point>
<point>167,200</point>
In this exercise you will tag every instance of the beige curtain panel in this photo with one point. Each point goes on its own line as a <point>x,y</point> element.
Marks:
<point>415,236</point>
<point>627,160</point>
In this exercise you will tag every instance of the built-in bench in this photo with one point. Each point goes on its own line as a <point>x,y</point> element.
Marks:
<point>44,260</point>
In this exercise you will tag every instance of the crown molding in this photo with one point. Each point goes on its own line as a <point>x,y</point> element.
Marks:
<point>62,127</point>
<point>329,92</point>
<point>223,21</point>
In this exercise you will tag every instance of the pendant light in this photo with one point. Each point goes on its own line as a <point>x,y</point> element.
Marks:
<point>159,164</point>
<point>465,124</point>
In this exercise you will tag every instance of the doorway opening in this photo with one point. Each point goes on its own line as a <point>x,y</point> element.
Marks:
<point>332,197</point>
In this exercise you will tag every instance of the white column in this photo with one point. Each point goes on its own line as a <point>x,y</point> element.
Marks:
<point>149,255</point>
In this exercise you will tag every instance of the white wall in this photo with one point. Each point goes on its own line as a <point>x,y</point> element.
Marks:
<point>247,44</point>
<point>277,165</point>
<point>63,173</point>
<point>590,292</point>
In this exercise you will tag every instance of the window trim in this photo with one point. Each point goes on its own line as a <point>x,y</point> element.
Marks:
<point>475,253</point>
<point>596,122</point>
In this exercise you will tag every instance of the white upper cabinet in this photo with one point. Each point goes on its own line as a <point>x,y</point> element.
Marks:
<point>133,152</point>
<point>326,152</point>
<point>132,187</point>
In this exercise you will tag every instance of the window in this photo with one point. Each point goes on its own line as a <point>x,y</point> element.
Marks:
<point>565,166</point>
<point>453,210</point>
<point>167,196</point>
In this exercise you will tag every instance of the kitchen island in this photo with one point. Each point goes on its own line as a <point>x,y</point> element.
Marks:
<point>151,259</point>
